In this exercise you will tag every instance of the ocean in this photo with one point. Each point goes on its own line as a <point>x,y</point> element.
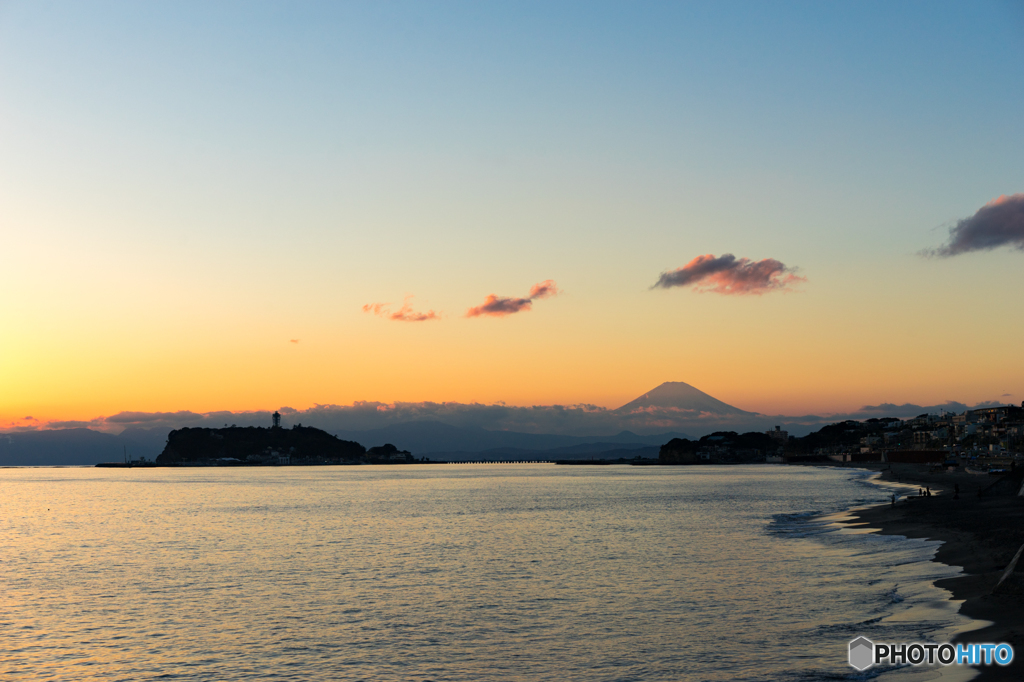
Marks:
<point>453,572</point>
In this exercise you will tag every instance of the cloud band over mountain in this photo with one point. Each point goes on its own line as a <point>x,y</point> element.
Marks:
<point>672,407</point>
<point>668,407</point>
<point>730,275</point>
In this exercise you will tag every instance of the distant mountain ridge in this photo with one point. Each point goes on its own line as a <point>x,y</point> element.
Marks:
<point>67,447</point>
<point>454,431</point>
<point>432,438</point>
<point>422,436</point>
<point>85,447</point>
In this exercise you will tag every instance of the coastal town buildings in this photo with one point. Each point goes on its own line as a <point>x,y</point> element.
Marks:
<point>984,439</point>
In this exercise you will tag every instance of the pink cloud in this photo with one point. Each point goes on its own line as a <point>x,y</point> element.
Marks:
<point>499,306</point>
<point>543,289</point>
<point>730,275</point>
<point>403,314</point>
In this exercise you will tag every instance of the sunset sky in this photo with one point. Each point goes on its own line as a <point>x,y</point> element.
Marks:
<point>246,205</point>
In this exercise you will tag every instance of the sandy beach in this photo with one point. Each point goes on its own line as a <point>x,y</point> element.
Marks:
<point>980,533</point>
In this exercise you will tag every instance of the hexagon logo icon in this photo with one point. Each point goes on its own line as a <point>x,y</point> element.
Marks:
<point>862,652</point>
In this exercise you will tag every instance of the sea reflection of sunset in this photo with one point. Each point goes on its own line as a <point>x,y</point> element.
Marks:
<point>460,572</point>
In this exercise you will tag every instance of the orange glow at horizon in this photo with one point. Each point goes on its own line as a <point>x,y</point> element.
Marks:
<point>327,206</point>
<point>583,359</point>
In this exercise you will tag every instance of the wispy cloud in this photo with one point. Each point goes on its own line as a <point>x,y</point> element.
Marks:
<point>28,423</point>
<point>139,418</point>
<point>543,289</point>
<point>499,306</point>
<point>403,314</point>
<point>728,274</point>
<point>293,340</point>
<point>1000,222</point>
<point>75,424</point>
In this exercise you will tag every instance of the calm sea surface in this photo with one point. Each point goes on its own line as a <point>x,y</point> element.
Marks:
<point>450,572</point>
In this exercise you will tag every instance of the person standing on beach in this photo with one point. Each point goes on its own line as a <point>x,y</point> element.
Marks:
<point>894,499</point>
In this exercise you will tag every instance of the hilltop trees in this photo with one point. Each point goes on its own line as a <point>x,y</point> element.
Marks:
<point>255,445</point>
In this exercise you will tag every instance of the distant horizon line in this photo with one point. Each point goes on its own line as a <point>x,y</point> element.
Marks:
<point>139,419</point>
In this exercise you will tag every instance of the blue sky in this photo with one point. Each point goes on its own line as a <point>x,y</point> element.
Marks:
<point>187,185</point>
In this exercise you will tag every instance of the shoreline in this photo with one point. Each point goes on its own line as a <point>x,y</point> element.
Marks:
<point>979,534</point>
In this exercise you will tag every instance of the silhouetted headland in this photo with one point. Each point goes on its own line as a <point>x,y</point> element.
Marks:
<point>274,446</point>
<point>257,446</point>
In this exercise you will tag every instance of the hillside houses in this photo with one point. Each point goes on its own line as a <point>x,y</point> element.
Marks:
<point>990,429</point>
<point>984,432</point>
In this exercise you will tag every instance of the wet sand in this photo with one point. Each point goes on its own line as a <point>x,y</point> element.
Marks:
<point>981,534</point>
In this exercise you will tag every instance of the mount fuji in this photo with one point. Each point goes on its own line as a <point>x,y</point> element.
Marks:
<point>676,395</point>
